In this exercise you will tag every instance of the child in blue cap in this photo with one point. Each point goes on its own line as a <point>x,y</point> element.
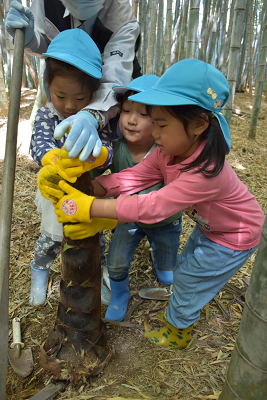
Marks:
<point>164,237</point>
<point>71,77</point>
<point>193,139</point>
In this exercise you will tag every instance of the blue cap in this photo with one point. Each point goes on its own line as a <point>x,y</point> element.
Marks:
<point>75,47</point>
<point>191,82</point>
<point>139,84</point>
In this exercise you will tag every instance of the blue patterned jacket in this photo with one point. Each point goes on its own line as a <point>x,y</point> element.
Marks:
<point>42,140</point>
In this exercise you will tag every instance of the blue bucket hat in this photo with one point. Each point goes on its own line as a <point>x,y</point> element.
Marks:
<point>75,47</point>
<point>139,84</point>
<point>191,82</point>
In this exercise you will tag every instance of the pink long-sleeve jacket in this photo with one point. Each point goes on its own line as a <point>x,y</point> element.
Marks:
<point>222,206</point>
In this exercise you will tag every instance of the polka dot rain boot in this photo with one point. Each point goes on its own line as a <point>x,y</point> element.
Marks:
<point>169,336</point>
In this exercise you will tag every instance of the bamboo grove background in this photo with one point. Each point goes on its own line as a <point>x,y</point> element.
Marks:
<point>229,34</point>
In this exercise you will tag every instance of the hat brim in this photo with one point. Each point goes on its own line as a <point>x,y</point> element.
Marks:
<point>120,89</point>
<point>143,82</point>
<point>156,97</point>
<point>124,89</point>
<point>76,62</point>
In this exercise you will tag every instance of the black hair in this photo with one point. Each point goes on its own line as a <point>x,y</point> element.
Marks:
<point>214,150</point>
<point>121,98</point>
<point>56,67</point>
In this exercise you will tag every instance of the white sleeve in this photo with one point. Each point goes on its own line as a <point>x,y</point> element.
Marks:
<point>119,54</point>
<point>117,68</point>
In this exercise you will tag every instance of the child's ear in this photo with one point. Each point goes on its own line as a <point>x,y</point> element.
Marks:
<point>201,124</point>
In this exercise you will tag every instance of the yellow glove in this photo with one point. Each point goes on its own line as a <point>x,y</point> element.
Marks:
<point>86,229</point>
<point>47,181</point>
<point>71,168</point>
<point>50,157</point>
<point>74,206</point>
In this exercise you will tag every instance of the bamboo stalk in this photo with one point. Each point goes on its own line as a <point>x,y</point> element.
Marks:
<point>247,373</point>
<point>7,199</point>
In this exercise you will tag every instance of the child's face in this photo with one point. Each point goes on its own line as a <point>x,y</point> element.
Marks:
<point>67,96</point>
<point>135,124</point>
<point>170,135</point>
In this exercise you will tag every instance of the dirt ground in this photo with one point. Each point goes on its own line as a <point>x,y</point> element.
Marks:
<point>138,370</point>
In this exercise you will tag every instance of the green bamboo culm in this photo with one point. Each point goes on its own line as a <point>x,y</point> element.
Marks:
<point>247,372</point>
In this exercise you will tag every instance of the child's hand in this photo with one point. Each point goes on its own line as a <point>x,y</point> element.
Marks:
<point>87,229</point>
<point>50,157</point>
<point>47,181</point>
<point>74,206</point>
<point>71,168</point>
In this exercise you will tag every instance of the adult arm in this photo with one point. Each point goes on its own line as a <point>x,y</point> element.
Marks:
<point>117,68</point>
<point>40,40</point>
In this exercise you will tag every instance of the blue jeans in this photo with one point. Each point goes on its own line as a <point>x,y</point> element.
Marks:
<point>164,240</point>
<point>203,268</point>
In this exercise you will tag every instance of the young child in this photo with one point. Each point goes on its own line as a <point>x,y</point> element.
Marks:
<point>193,139</point>
<point>135,145</point>
<point>71,78</point>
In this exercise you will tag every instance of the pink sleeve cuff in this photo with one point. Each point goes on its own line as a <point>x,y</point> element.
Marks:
<point>111,184</point>
<point>127,208</point>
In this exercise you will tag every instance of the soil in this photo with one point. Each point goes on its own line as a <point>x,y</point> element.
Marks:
<point>137,370</point>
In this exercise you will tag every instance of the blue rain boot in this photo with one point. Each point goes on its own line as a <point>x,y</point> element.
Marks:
<point>119,300</point>
<point>164,277</point>
<point>105,292</point>
<point>39,283</point>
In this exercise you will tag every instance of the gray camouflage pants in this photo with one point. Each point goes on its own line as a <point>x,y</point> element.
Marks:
<point>46,250</point>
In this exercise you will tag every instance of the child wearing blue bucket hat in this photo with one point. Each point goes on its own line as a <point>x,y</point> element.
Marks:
<point>135,145</point>
<point>71,77</point>
<point>193,139</point>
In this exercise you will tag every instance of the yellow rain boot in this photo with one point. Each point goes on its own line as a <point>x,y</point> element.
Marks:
<point>169,336</point>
